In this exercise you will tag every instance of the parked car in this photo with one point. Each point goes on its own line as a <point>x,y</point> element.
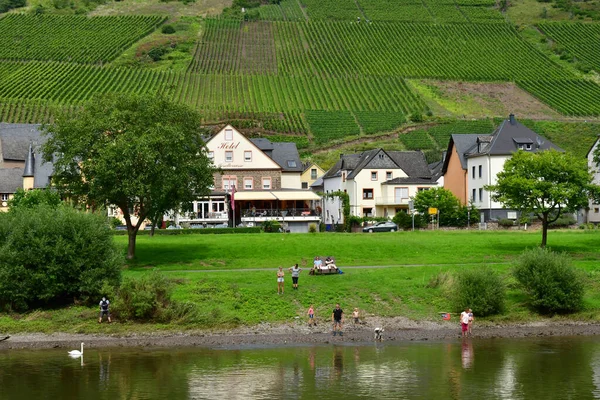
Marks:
<point>384,226</point>
<point>174,227</point>
<point>120,228</point>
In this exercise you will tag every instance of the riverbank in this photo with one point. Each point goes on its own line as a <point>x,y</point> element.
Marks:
<point>272,335</point>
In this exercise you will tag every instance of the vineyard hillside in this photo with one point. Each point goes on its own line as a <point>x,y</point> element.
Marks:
<point>318,72</point>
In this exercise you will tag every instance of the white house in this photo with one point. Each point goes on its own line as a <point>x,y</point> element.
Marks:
<point>266,178</point>
<point>474,161</point>
<point>593,214</point>
<point>379,183</point>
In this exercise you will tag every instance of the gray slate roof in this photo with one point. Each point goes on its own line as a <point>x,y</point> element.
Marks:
<point>411,180</point>
<point>11,179</point>
<point>283,153</point>
<point>413,163</point>
<point>15,140</point>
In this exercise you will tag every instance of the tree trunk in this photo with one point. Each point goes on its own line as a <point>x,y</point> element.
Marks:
<point>544,230</point>
<point>131,247</point>
<point>152,230</point>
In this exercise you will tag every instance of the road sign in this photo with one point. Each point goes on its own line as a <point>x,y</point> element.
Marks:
<point>433,210</point>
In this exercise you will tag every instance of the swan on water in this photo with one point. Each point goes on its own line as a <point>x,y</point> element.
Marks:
<point>77,352</point>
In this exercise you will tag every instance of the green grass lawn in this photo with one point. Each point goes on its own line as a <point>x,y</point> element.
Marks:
<point>209,252</point>
<point>235,297</point>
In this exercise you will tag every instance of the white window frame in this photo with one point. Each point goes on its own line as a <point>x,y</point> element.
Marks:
<point>246,180</point>
<point>388,175</point>
<point>267,186</point>
<point>374,175</point>
<point>246,157</point>
<point>4,196</point>
<point>228,134</point>
<point>227,180</point>
<point>365,194</point>
<point>228,152</point>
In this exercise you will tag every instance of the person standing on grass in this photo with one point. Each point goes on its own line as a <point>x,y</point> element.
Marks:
<point>295,270</point>
<point>280,274</point>
<point>356,316</point>
<point>338,319</point>
<point>311,316</point>
<point>464,322</point>
<point>471,318</point>
<point>104,305</point>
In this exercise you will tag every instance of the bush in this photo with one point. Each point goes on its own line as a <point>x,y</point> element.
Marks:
<point>479,289</point>
<point>156,53</point>
<point>405,221</point>
<point>564,221</point>
<point>312,228</point>
<point>552,284</point>
<point>271,226</point>
<point>168,29</point>
<point>505,222</point>
<point>53,256</point>
<point>145,298</point>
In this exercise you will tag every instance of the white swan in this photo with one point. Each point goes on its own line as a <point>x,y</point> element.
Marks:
<point>77,352</point>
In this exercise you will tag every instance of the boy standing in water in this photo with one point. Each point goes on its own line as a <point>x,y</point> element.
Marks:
<point>464,322</point>
<point>311,316</point>
<point>338,318</point>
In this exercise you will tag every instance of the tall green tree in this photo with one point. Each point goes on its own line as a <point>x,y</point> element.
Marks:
<point>547,184</point>
<point>33,198</point>
<point>451,211</point>
<point>142,153</point>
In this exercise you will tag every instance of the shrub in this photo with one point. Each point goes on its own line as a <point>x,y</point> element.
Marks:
<point>271,226</point>
<point>552,284</point>
<point>168,29</point>
<point>312,228</point>
<point>405,221</point>
<point>156,53</point>
<point>54,255</point>
<point>505,222</point>
<point>564,221</point>
<point>144,298</point>
<point>34,198</point>
<point>479,289</point>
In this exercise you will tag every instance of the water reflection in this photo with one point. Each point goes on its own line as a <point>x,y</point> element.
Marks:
<point>556,368</point>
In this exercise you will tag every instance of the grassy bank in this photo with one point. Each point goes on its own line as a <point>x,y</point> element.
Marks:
<point>236,297</point>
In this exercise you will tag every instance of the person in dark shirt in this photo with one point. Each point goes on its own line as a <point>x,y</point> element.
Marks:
<point>338,318</point>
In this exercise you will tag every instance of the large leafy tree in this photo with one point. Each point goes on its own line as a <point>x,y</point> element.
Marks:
<point>451,211</point>
<point>547,184</point>
<point>142,153</point>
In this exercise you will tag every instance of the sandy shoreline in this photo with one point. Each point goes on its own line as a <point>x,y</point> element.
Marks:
<point>396,329</point>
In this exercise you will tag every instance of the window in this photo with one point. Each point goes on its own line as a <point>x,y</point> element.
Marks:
<point>367,193</point>
<point>373,175</point>
<point>304,185</point>
<point>388,175</point>
<point>229,182</point>
<point>422,189</point>
<point>4,196</point>
<point>211,155</point>
<point>401,193</point>
<point>368,212</point>
<point>266,183</point>
<point>228,134</point>
<point>247,156</point>
<point>528,146</point>
<point>480,171</point>
<point>480,194</point>
<point>291,164</point>
<point>473,169</point>
<point>313,174</point>
<point>474,197</point>
<point>596,210</point>
<point>248,183</point>
<point>521,147</point>
<point>228,156</point>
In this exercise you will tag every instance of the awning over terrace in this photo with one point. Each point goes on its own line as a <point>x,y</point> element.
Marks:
<point>251,195</point>
<point>277,195</point>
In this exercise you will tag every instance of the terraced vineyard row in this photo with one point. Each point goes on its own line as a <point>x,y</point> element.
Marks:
<point>437,137</point>
<point>286,10</point>
<point>581,40</point>
<point>263,93</point>
<point>439,11</point>
<point>71,38</point>
<point>575,97</point>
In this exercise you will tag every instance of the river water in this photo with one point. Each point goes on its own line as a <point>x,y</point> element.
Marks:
<point>540,368</point>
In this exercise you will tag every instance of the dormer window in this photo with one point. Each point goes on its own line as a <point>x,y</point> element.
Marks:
<point>291,164</point>
<point>524,143</point>
<point>528,146</point>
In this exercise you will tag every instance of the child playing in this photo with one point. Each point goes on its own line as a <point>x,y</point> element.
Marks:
<point>311,316</point>
<point>355,315</point>
<point>471,318</point>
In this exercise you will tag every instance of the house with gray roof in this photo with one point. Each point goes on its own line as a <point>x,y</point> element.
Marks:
<point>473,161</point>
<point>21,164</point>
<point>378,182</point>
<point>260,179</point>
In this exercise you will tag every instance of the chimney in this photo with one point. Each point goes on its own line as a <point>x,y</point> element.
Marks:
<point>511,119</point>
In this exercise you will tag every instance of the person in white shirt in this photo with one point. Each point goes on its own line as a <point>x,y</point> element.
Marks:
<point>464,321</point>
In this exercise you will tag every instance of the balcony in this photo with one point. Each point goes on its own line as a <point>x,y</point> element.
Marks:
<point>275,214</point>
<point>210,217</point>
<point>391,201</point>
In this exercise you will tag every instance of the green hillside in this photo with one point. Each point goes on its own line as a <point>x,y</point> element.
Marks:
<point>316,71</point>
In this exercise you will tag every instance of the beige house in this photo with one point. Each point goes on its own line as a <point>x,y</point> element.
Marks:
<point>379,183</point>
<point>311,173</point>
<point>21,165</point>
<point>593,213</point>
<point>259,180</point>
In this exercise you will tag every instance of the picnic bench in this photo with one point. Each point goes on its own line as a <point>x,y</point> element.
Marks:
<point>325,269</point>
